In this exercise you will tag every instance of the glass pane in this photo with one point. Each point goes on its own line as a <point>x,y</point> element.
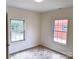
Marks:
<point>61,25</point>
<point>16,36</point>
<point>17,25</point>
<point>17,30</point>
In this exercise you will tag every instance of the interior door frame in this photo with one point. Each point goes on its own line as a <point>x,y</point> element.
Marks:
<point>7,35</point>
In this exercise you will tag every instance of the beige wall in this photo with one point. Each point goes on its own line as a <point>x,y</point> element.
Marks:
<point>47,19</point>
<point>32,27</point>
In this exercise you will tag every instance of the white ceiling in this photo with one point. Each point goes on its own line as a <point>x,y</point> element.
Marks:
<point>47,5</point>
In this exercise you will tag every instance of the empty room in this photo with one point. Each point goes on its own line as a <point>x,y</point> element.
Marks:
<point>39,29</point>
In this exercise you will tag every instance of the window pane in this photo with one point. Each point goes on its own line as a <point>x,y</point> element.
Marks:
<point>17,30</point>
<point>16,36</point>
<point>17,25</point>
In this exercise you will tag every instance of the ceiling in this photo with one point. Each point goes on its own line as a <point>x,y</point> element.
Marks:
<point>47,5</point>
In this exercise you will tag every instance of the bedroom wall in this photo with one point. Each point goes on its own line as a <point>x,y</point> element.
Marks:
<point>32,28</point>
<point>47,19</point>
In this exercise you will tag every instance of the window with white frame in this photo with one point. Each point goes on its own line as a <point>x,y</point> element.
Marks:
<point>60,31</point>
<point>17,30</point>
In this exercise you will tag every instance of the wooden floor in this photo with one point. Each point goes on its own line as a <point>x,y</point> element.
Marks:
<point>38,53</point>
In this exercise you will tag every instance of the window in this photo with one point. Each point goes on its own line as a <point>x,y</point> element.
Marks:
<point>17,30</point>
<point>60,31</point>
